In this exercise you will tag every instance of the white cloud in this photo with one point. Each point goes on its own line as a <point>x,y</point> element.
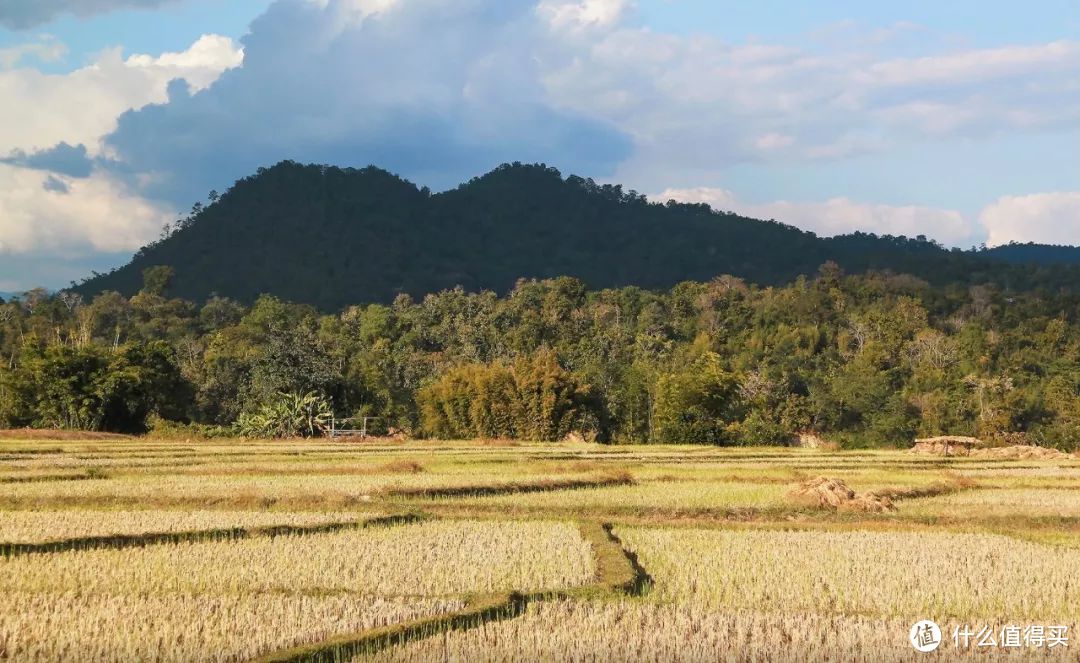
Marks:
<point>94,213</point>
<point>774,141</point>
<point>1048,218</point>
<point>1044,218</point>
<point>67,219</point>
<point>45,49</point>
<point>838,216</point>
<point>41,110</point>
<point>358,10</point>
<point>697,105</point>
<point>721,200</point>
<point>577,14</point>
<point>976,65</point>
<point>200,65</point>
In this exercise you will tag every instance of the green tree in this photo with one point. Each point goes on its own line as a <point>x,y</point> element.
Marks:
<point>696,405</point>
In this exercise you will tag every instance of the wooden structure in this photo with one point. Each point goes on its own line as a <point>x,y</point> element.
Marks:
<point>949,445</point>
<point>348,427</point>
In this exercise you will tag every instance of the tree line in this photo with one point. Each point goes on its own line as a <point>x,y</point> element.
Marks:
<point>866,360</point>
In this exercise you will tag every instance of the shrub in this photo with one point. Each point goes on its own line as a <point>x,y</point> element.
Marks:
<point>172,430</point>
<point>288,415</point>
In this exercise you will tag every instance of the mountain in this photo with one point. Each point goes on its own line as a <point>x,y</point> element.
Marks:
<point>332,237</point>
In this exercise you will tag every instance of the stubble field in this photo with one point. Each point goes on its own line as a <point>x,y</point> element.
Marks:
<point>122,550</point>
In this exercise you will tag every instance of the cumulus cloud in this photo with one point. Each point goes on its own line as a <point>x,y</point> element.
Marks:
<point>54,204</point>
<point>1048,218</point>
<point>43,212</point>
<point>440,90</point>
<point>41,110</point>
<point>436,90</point>
<point>839,216</point>
<point>22,14</point>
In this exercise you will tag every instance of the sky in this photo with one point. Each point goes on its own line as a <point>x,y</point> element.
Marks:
<point>959,121</point>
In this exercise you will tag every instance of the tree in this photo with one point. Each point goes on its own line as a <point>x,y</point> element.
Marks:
<point>157,279</point>
<point>94,388</point>
<point>696,405</point>
<point>535,399</point>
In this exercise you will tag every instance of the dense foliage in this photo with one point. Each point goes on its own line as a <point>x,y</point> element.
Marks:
<point>872,359</point>
<point>334,237</point>
<point>288,416</point>
<point>1032,254</point>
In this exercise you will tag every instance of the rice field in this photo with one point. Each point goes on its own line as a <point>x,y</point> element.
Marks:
<point>644,633</point>
<point>158,550</point>
<point>52,526</point>
<point>424,559</point>
<point>948,575</point>
<point>240,489</point>
<point>1061,503</point>
<point>660,496</point>
<point>180,628</point>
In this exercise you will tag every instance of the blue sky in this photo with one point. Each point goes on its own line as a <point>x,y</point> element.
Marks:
<point>957,120</point>
<point>175,26</point>
<point>978,22</point>
<point>171,27</point>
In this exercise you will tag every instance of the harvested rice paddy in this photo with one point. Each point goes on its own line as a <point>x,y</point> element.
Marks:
<point>158,550</point>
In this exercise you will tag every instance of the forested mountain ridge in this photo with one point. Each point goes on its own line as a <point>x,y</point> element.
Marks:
<point>1032,253</point>
<point>334,237</point>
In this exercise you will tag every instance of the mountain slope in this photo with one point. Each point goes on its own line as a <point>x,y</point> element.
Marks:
<point>333,237</point>
<point>1035,254</point>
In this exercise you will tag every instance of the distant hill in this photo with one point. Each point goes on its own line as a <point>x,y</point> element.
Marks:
<point>1035,254</point>
<point>332,236</point>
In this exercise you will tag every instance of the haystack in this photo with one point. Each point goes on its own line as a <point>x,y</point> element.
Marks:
<point>833,494</point>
